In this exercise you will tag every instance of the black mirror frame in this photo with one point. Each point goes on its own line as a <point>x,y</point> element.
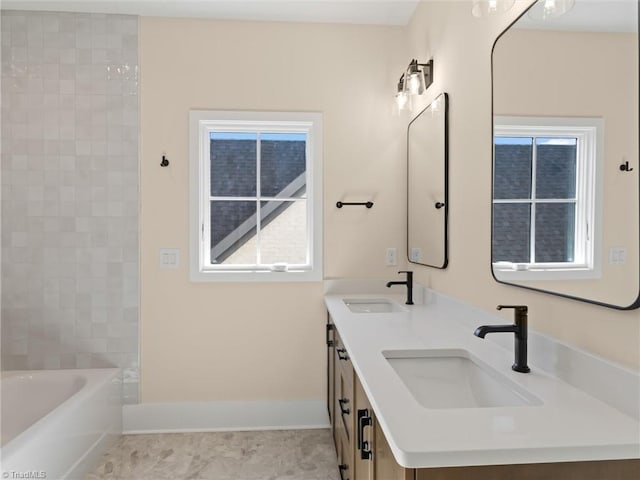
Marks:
<point>446,183</point>
<point>636,302</point>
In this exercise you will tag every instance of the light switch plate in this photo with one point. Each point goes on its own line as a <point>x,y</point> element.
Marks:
<point>169,258</point>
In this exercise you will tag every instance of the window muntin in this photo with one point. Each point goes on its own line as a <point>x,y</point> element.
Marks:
<point>544,198</point>
<point>258,203</point>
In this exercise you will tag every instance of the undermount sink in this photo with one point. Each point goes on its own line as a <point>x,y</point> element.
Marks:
<point>373,305</point>
<point>453,378</point>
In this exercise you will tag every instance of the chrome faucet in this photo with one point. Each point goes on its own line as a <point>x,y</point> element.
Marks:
<point>408,282</point>
<point>519,328</point>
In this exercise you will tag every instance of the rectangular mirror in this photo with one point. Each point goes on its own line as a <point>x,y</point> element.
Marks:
<point>427,164</point>
<point>565,166</point>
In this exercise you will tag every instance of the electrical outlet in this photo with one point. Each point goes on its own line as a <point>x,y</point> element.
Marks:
<point>392,256</point>
<point>416,254</point>
<point>617,255</point>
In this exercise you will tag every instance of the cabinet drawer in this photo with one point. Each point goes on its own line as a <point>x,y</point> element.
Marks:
<point>344,390</point>
<point>342,359</point>
<point>344,406</point>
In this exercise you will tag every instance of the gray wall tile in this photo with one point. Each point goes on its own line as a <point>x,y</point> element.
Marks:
<point>70,192</point>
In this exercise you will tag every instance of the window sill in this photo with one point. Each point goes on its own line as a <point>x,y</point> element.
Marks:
<point>201,276</point>
<point>511,273</point>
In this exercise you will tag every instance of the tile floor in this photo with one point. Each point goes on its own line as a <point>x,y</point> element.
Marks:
<point>263,455</point>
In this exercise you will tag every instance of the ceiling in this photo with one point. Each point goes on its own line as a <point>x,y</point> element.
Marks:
<point>369,12</point>
<point>589,15</point>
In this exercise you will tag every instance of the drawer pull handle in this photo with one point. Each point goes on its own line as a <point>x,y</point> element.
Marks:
<point>364,420</point>
<point>365,453</point>
<point>341,469</point>
<point>342,354</point>
<point>342,402</point>
<point>329,329</point>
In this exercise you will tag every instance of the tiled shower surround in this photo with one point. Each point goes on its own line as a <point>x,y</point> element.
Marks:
<point>70,192</point>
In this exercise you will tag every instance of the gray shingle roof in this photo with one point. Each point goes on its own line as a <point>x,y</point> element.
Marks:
<point>233,173</point>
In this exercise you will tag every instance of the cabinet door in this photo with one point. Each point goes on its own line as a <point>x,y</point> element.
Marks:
<point>385,464</point>
<point>364,441</point>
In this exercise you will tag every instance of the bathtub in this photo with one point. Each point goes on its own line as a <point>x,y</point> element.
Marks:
<point>56,424</point>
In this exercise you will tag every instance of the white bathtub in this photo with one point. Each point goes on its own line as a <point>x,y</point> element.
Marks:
<point>57,423</point>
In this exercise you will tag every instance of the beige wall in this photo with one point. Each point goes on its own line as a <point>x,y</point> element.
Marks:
<point>257,341</point>
<point>461,47</point>
<point>265,341</point>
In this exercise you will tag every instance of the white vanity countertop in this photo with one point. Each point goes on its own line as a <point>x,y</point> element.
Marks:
<point>570,425</point>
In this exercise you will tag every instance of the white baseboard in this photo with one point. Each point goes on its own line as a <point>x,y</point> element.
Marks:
<point>224,416</point>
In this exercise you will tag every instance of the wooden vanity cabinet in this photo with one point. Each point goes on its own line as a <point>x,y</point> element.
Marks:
<point>364,453</point>
<point>385,465</point>
<point>361,447</point>
<point>596,470</point>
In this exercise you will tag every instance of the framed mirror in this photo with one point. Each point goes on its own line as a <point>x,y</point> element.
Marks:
<point>566,190</point>
<point>427,166</point>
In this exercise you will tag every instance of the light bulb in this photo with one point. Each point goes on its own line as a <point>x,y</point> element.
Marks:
<point>549,7</point>
<point>414,85</point>
<point>485,8</point>
<point>402,99</point>
<point>545,9</point>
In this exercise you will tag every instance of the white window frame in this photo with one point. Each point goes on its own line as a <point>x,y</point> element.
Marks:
<point>588,217</point>
<point>201,124</point>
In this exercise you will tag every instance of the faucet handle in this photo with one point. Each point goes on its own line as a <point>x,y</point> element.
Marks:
<point>520,313</point>
<point>517,308</point>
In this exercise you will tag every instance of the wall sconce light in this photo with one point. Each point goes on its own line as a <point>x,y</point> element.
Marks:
<point>487,8</point>
<point>546,9</point>
<point>402,96</point>
<point>414,81</point>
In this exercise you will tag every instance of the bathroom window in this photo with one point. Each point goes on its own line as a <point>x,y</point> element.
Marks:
<point>256,196</point>
<point>545,198</point>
